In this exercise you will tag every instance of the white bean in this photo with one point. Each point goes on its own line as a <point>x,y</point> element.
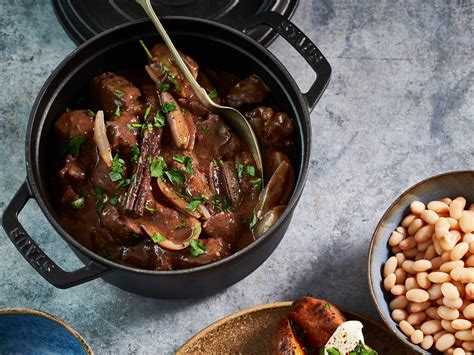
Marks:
<point>417,337</point>
<point>395,239</point>
<point>398,302</point>
<point>468,312</point>
<point>464,335</point>
<point>456,207</point>
<point>414,226</point>
<point>462,274</point>
<point>427,342</point>
<point>424,233</point>
<point>390,266</point>
<point>459,251</point>
<point>423,265</point>
<point>422,280</point>
<point>406,328</point>
<point>448,313</point>
<point>445,342</point>
<point>401,276</point>
<point>439,277</point>
<point>407,220</point>
<point>442,226</point>
<point>399,314</point>
<point>417,295</point>
<point>449,291</point>
<point>389,281</point>
<point>438,207</point>
<point>398,290</point>
<point>430,217</point>
<point>416,318</point>
<point>431,327</point>
<point>461,324</point>
<point>466,222</point>
<point>450,265</point>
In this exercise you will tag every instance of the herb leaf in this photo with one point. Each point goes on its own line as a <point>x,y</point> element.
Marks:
<point>333,351</point>
<point>196,248</point>
<point>205,128</point>
<point>122,183</point>
<point>113,200</point>
<point>117,110</point>
<point>213,94</point>
<point>159,120</point>
<point>250,170</point>
<point>99,198</point>
<point>74,145</point>
<point>169,107</point>
<point>254,221</point>
<point>147,111</point>
<point>148,208</point>
<point>135,153</point>
<point>240,170</point>
<point>79,203</point>
<point>117,168</point>
<point>187,161</point>
<point>164,87</point>
<point>257,182</point>
<point>146,49</point>
<point>327,306</point>
<point>193,204</point>
<point>175,176</point>
<point>157,238</point>
<point>91,113</point>
<point>157,167</point>
<point>118,91</point>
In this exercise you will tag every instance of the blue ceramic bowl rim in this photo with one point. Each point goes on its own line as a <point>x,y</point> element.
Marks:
<point>35,312</point>
<point>387,318</point>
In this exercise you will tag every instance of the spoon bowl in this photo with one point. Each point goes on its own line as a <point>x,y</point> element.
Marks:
<point>234,119</point>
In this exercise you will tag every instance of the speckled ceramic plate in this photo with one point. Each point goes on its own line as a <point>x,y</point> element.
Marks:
<point>250,332</point>
<point>28,331</point>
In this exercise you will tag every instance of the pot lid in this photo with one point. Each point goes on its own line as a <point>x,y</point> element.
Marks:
<point>86,18</point>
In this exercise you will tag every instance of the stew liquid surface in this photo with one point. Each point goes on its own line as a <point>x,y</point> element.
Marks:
<point>150,178</point>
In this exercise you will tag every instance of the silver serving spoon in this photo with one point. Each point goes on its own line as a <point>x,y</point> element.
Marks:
<point>236,121</point>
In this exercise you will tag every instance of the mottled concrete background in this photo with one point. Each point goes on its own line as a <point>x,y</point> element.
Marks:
<point>399,109</point>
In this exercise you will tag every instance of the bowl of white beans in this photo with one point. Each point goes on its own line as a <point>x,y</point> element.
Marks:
<point>421,265</point>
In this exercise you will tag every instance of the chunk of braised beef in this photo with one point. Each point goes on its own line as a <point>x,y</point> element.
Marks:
<point>72,173</point>
<point>121,135</point>
<point>217,249</point>
<point>75,123</point>
<point>148,255</point>
<point>273,129</point>
<point>163,70</point>
<point>110,90</point>
<point>100,178</point>
<point>225,225</point>
<point>248,91</point>
<point>69,195</point>
<point>111,220</point>
<point>193,105</point>
<point>214,139</point>
<point>278,129</point>
<point>222,80</point>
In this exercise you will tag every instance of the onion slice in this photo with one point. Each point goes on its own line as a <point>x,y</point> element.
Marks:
<point>100,138</point>
<point>170,245</point>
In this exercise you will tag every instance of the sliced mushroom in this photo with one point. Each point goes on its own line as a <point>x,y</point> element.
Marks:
<point>179,202</point>
<point>273,160</point>
<point>272,193</point>
<point>183,129</point>
<point>224,181</point>
<point>267,221</point>
<point>193,233</point>
<point>100,138</point>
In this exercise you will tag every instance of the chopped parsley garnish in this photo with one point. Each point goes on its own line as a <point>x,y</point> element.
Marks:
<point>240,170</point>
<point>197,230</point>
<point>148,126</point>
<point>79,203</point>
<point>134,125</point>
<point>169,107</point>
<point>187,161</point>
<point>157,167</point>
<point>213,94</point>
<point>205,128</point>
<point>257,183</point>
<point>117,110</point>
<point>135,153</point>
<point>182,227</point>
<point>147,111</point>
<point>360,349</point>
<point>99,198</point>
<point>159,120</point>
<point>91,113</point>
<point>118,91</point>
<point>113,200</point>
<point>117,168</point>
<point>196,248</point>
<point>327,306</point>
<point>146,49</point>
<point>148,208</point>
<point>164,87</point>
<point>193,205</point>
<point>250,170</point>
<point>157,238</point>
<point>254,221</point>
<point>74,145</point>
<point>333,351</point>
<point>175,176</point>
<point>172,79</point>
<point>122,183</point>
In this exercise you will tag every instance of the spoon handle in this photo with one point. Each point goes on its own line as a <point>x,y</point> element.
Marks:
<point>198,90</point>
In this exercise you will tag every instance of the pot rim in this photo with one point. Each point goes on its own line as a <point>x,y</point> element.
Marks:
<point>32,138</point>
<point>376,235</point>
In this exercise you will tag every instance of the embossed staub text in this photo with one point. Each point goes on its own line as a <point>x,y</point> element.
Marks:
<point>30,251</point>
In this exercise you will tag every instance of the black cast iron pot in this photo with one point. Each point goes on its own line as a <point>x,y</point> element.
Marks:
<point>211,45</point>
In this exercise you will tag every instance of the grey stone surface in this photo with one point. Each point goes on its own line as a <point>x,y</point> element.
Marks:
<point>399,109</point>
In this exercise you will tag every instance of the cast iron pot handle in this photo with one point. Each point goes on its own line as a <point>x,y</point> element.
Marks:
<point>304,46</point>
<point>33,253</point>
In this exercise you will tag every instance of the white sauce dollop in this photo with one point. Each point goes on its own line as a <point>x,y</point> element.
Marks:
<point>346,337</point>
